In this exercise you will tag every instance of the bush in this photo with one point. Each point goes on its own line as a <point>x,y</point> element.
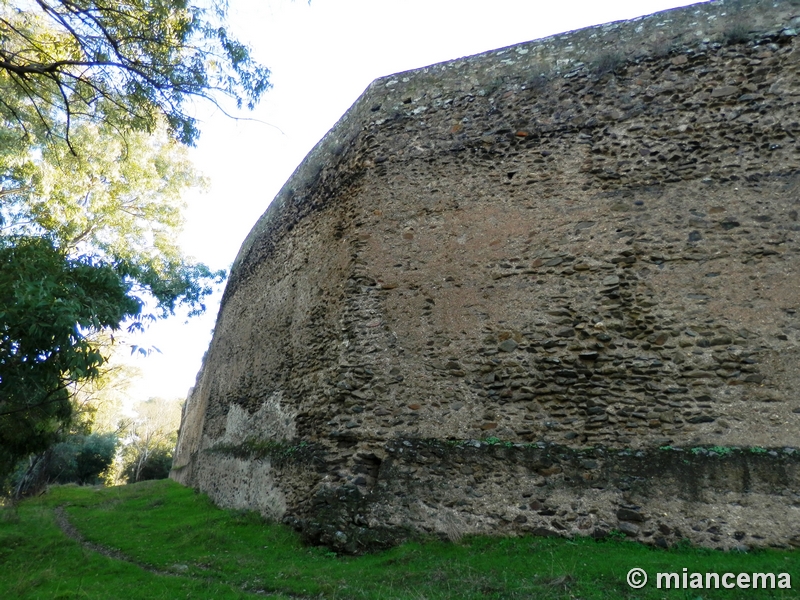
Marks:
<point>737,32</point>
<point>156,466</point>
<point>82,459</point>
<point>609,62</point>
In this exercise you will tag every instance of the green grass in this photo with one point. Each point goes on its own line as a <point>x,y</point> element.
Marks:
<point>199,551</point>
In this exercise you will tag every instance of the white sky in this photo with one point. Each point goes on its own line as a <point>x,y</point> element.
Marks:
<point>322,55</point>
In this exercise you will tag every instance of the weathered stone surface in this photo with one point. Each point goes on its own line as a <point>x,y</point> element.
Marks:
<point>527,249</point>
<point>508,345</point>
<point>626,514</point>
<point>629,529</point>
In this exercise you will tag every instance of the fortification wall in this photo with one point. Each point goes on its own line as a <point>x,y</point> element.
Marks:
<point>503,290</point>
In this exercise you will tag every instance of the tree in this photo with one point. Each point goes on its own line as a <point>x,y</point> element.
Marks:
<point>94,99</point>
<point>86,459</point>
<point>47,301</point>
<point>119,199</point>
<point>126,64</point>
<point>147,454</point>
<point>97,404</point>
<point>82,459</point>
<point>88,442</point>
<point>86,240</point>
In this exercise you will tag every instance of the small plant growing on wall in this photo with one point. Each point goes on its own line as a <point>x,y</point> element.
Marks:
<point>736,33</point>
<point>662,46</point>
<point>609,62</point>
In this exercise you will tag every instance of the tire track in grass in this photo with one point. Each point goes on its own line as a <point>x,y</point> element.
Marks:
<point>72,533</point>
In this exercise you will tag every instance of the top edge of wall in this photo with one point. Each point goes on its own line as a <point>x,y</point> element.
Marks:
<point>412,92</point>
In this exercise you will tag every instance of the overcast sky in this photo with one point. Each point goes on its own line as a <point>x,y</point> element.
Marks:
<point>322,55</point>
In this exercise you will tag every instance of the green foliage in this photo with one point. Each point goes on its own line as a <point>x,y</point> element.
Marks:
<point>616,534</point>
<point>721,450</point>
<point>94,457</point>
<point>193,549</point>
<point>47,303</point>
<point>130,65</point>
<point>82,459</point>
<point>496,441</point>
<point>94,99</point>
<point>155,465</point>
<point>153,434</point>
<point>117,199</point>
<point>278,451</point>
<point>97,403</point>
<point>454,443</point>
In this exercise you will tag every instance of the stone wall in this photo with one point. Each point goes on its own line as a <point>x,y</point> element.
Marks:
<point>503,290</point>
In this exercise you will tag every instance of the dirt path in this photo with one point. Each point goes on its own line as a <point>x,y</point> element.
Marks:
<point>72,532</point>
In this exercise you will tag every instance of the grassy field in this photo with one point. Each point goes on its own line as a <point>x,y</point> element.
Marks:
<point>158,540</point>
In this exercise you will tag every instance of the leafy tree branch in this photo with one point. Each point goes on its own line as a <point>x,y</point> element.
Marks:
<point>130,64</point>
